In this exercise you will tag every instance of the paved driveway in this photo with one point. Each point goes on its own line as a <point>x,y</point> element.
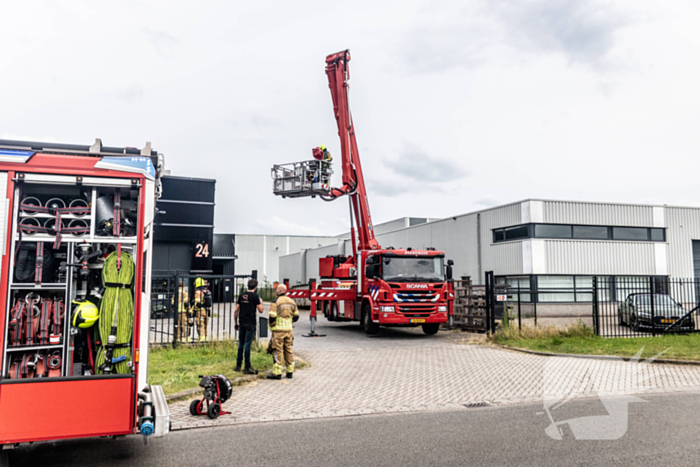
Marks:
<point>402,370</point>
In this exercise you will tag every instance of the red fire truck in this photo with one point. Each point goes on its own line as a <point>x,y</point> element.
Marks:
<point>376,286</point>
<point>76,238</point>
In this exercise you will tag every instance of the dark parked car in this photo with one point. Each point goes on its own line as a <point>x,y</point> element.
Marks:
<point>636,312</point>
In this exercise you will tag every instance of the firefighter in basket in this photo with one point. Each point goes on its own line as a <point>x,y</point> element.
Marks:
<point>282,314</point>
<point>202,308</point>
<point>184,317</point>
<point>322,154</point>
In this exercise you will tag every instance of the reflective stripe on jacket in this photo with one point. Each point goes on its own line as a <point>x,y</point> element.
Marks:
<point>283,312</point>
<point>183,299</point>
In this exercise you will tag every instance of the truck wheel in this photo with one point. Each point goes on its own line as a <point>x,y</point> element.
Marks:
<point>325,310</point>
<point>332,313</point>
<point>193,407</point>
<point>214,410</point>
<point>431,328</point>
<point>367,324</point>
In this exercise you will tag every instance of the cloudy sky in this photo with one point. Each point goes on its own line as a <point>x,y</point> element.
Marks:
<point>457,105</point>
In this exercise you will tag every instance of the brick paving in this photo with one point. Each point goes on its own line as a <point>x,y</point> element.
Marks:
<point>403,370</point>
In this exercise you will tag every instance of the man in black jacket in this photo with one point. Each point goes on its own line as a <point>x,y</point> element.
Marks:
<point>245,323</point>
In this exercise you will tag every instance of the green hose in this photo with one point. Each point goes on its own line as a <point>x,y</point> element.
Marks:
<point>119,300</point>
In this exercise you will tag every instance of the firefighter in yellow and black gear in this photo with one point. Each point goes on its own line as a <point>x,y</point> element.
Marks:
<point>201,305</point>
<point>282,314</point>
<point>184,320</point>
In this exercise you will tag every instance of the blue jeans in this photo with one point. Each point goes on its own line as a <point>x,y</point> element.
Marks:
<point>246,334</point>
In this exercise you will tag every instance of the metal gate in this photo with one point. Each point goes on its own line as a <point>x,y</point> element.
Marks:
<point>496,297</point>
<point>175,321</point>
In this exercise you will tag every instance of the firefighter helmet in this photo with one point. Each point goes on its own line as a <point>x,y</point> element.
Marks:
<point>85,314</point>
<point>199,282</point>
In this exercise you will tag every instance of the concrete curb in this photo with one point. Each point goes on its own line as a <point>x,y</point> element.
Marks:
<point>598,357</point>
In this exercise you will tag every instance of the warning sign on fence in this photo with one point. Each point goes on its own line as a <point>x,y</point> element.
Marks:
<point>501,298</point>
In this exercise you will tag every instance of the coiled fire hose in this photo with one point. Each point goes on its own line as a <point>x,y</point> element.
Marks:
<point>116,315</point>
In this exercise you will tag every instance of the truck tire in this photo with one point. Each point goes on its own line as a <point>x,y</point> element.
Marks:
<point>334,311</point>
<point>367,324</point>
<point>431,328</point>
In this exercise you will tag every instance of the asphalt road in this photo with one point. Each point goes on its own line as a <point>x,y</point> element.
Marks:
<point>662,431</point>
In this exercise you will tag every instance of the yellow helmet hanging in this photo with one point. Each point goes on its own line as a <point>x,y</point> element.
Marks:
<point>85,314</point>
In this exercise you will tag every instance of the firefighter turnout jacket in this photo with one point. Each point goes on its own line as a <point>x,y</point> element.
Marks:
<point>201,313</point>
<point>282,314</point>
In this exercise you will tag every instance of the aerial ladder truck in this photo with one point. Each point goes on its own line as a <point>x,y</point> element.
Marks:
<point>400,287</point>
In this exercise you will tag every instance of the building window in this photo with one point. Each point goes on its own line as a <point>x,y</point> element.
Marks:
<point>517,232</point>
<point>591,232</point>
<point>630,233</point>
<point>625,285</point>
<point>658,235</point>
<point>517,285</point>
<point>579,232</point>
<point>552,231</point>
<point>584,288</point>
<point>499,235</point>
<point>578,289</point>
<point>556,289</point>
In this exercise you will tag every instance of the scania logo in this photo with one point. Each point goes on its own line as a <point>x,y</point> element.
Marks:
<point>416,286</point>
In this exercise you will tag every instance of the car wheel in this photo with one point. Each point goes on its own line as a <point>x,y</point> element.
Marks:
<point>619,318</point>
<point>635,323</point>
<point>367,324</point>
<point>431,328</point>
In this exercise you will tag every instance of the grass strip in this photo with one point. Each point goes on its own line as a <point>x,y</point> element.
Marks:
<point>580,339</point>
<point>179,369</point>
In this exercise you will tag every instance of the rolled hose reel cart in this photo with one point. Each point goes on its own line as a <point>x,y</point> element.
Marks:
<point>217,390</point>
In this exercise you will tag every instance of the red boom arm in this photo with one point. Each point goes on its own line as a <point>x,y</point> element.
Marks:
<point>353,179</point>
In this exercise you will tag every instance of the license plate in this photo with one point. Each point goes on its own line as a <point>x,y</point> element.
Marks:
<point>416,321</point>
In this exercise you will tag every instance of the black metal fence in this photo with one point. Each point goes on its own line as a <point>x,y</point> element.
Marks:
<point>175,319</point>
<point>517,304</point>
<point>614,306</point>
<point>645,306</point>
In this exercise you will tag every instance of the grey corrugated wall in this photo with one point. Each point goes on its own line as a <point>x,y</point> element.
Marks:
<point>567,212</point>
<point>290,268</point>
<point>597,257</point>
<point>502,258</point>
<point>683,227</point>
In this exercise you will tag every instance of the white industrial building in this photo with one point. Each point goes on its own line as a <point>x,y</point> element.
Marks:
<point>263,252</point>
<point>542,244</point>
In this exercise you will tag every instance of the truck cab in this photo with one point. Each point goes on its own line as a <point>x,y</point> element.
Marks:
<point>406,288</point>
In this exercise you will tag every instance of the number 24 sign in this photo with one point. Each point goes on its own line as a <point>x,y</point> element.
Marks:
<point>202,250</point>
